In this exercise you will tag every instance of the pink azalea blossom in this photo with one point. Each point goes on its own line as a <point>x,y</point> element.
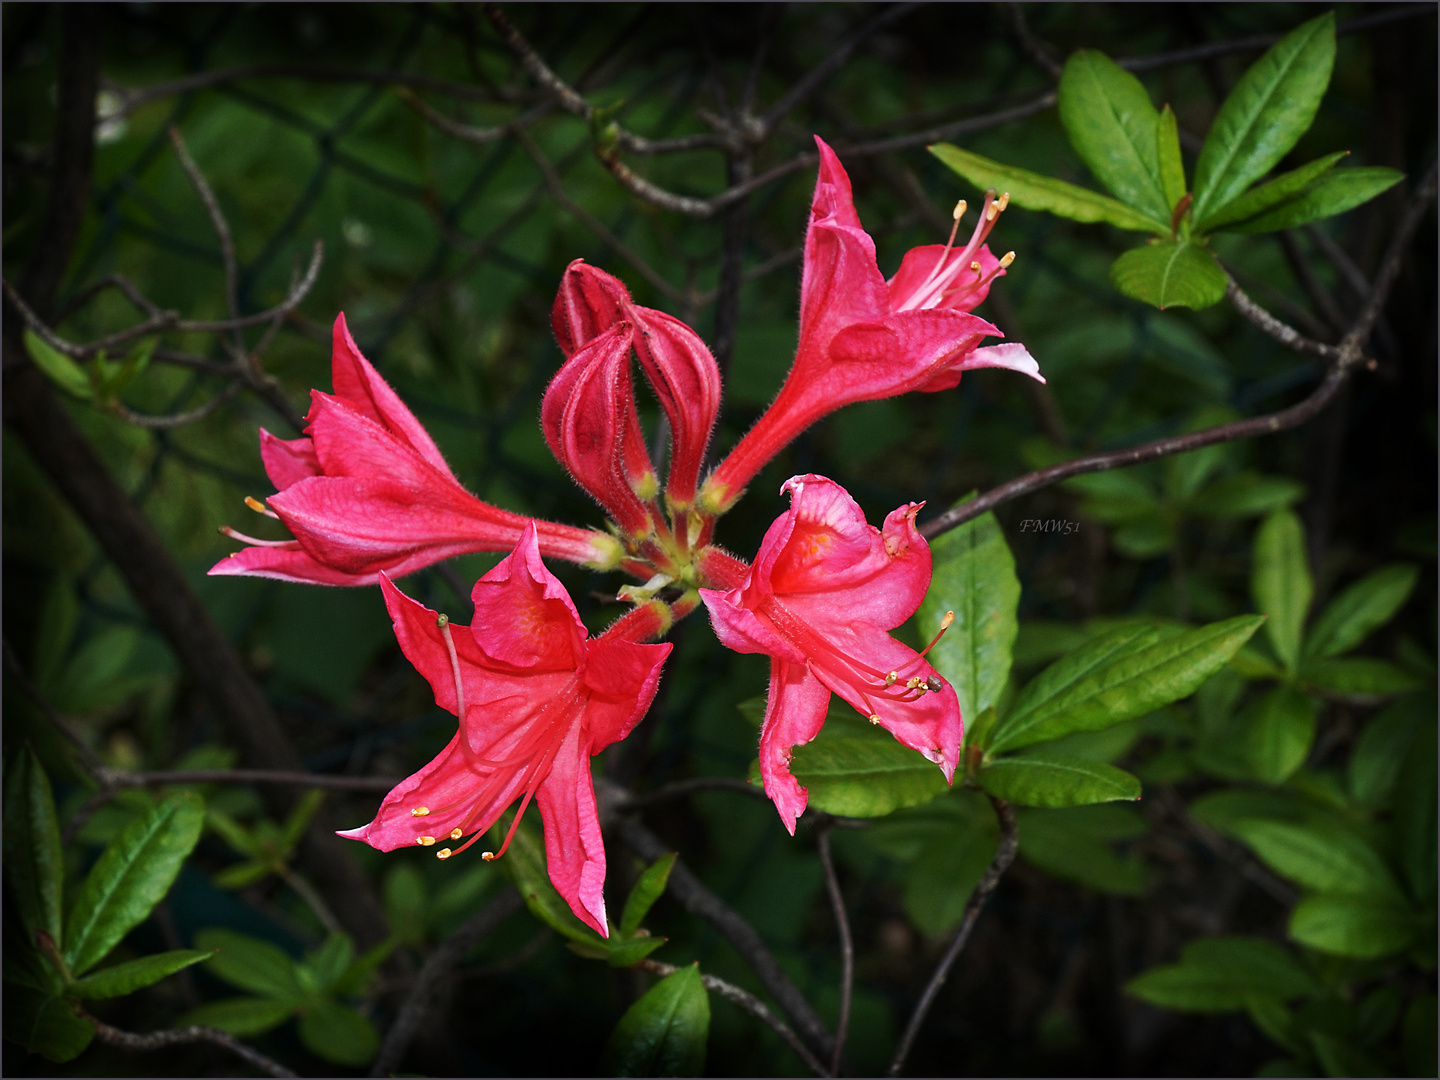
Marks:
<point>535,699</point>
<point>822,592</point>
<point>863,338</point>
<point>367,491</point>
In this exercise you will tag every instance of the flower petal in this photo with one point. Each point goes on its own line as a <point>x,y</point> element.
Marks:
<point>794,713</point>
<point>287,563</point>
<point>622,677</point>
<point>738,628</point>
<point>574,850</point>
<point>905,351</point>
<point>287,460</point>
<point>523,615</point>
<point>1010,355</point>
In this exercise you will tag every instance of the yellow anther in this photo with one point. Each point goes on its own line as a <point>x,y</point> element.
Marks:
<point>874,719</point>
<point>488,856</point>
<point>914,682</point>
<point>456,833</point>
<point>891,678</point>
<point>946,622</point>
<point>419,811</point>
<point>443,853</point>
<point>993,211</point>
<point>959,210</point>
<point>1002,202</point>
<point>1007,259</point>
<point>975,266</point>
<point>254,504</point>
<point>425,841</point>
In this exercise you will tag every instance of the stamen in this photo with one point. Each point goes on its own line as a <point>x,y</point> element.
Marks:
<point>425,841</point>
<point>455,834</point>
<point>488,856</point>
<point>1002,202</point>
<point>944,625</point>
<point>892,678</point>
<point>1007,259</point>
<point>226,530</point>
<point>443,853</point>
<point>419,811</point>
<point>914,682</point>
<point>959,211</point>
<point>934,685</point>
<point>443,622</point>
<point>260,508</point>
<point>874,718</point>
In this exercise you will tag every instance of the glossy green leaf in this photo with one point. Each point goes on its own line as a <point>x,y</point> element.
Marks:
<point>1331,194</point>
<point>525,864</point>
<point>664,1033</point>
<point>59,368</point>
<point>357,977</point>
<point>1219,974</point>
<point>1414,813</point>
<point>1112,125</point>
<point>1075,844</point>
<point>252,964</point>
<point>1383,747</point>
<point>126,978</point>
<point>132,875</point>
<point>1318,855</point>
<point>45,1024</point>
<point>1362,608</point>
<point>1348,924</point>
<point>973,576</point>
<point>1171,165</point>
<point>631,951</point>
<point>1169,273</point>
<point>950,863</point>
<point>338,1033</point>
<point>1280,583</point>
<point>1281,729</point>
<point>326,965</point>
<point>1032,191</point>
<point>1265,114</point>
<point>856,769</point>
<point>1036,780</point>
<point>241,1015</point>
<point>647,890</point>
<point>1278,1023</point>
<point>1246,494</point>
<point>1227,811</point>
<point>1358,676</point>
<point>34,862</point>
<point>1117,678</point>
<point>1269,194</point>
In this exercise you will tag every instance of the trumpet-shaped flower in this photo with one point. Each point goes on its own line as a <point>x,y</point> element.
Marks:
<point>367,491</point>
<point>822,592</point>
<point>863,338</point>
<point>535,699</point>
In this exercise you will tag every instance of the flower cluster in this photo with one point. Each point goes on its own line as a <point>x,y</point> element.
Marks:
<point>368,497</point>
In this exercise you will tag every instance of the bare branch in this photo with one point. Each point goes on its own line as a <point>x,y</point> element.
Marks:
<point>185,1036</point>
<point>1282,332</point>
<point>1004,856</point>
<point>750,1003</point>
<point>446,956</point>
<point>167,423</point>
<point>847,945</point>
<point>222,230</point>
<point>1031,45</point>
<point>682,788</point>
<point>120,778</point>
<point>88,758</point>
<point>1390,264</point>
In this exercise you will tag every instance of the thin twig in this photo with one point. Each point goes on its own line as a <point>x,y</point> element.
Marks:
<point>166,423</point>
<point>1394,254</point>
<point>222,231</point>
<point>697,899</point>
<point>120,778</point>
<point>1031,45</point>
<point>681,788</point>
<point>750,1003</point>
<point>1004,856</point>
<point>1282,332</point>
<point>446,956</point>
<point>157,1040</point>
<point>313,900</point>
<point>847,945</point>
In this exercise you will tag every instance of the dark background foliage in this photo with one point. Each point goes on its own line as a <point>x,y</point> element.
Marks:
<point>444,256</point>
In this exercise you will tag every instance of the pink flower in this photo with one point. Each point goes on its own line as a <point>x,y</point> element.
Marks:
<point>535,699</point>
<point>862,338</point>
<point>368,491</point>
<point>824,589</point>
<point>676,363</point>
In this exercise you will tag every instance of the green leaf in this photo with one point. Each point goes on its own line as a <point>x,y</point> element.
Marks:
<point>1219,974</point>
<point>1244,495</point>
<point>1281,729</point>
<point>1117,678</point>
<point>61,370</point>
<point>646,891</point>
<point>34,861</point>
<point>664,1033</point>
<point>241,1015</point>
<point>856,769</point>
<point>45,1024</point>
<point>1278,1023</point>
<point>299,819</point>
<point>1033,780</point>
<point>973,576</point>
<point>1075,845</point>
<point>524,862</point>
<point>252,964</point>
<point>126,978</point>
<point>1319,855</point>
<point>1113,126</point>
<point>1280,582</point>
<point>1269,194</point>
<point>1265,114</point>
<point>1169,273</point>
<point>338,1033</point>
<point>1358,677</point>
<point>630,952</point>
<point>950,864</point>
<point>132,875</point>
<point>1036,192</point>
<point>1331,194</point>
<point>1383,747</point>
<point>1414,813</point>
<point>1347,924</point>
<point>1361,609</point>
<point>1339,1057</point>
<point>356,979</point>
<point>327,964</point>
<point>1167,149</point>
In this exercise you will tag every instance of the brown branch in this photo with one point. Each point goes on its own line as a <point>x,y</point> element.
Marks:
<point>222,231</point>
<point>1031,45</point>
<point>847,945</point>
<point>1268,324</point>
<point>1004,856</point>
<point>158,1040</point>
<point>1390,264</point>
<point>445,957</point>
<point>751,1004</point>
<point>682,788</point>
<point>697,899</point>
<point>167,423</point>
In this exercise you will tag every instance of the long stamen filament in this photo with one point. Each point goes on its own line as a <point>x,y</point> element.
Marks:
<point>443,622</point>
<point>226,530</point>
<point>945,624</point>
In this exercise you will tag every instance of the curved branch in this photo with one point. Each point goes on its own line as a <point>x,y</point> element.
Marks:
<point>1004,856</point>
<point>847,945</point>
<point>157,1040</point>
